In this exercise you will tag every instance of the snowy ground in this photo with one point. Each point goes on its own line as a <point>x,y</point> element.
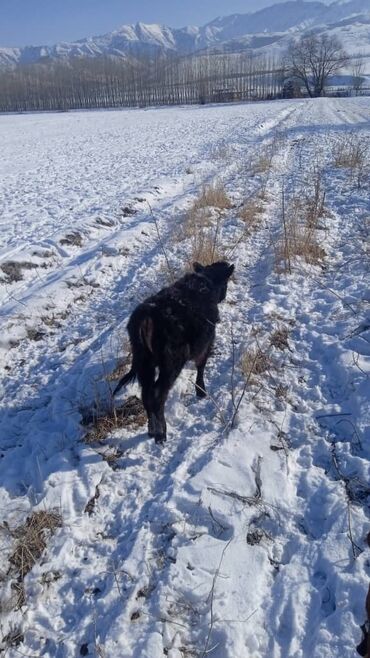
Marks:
<point>229,541</point>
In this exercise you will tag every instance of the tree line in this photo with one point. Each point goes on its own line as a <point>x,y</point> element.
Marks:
<point>107,82</point>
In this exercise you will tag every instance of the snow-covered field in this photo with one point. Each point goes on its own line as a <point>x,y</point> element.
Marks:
<point>244,536</point>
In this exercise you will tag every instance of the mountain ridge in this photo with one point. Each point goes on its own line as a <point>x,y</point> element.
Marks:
<point>272,24</point>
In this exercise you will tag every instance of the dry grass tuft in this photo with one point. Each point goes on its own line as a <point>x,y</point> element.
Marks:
<point>122,367</point>
<point>53,320</point>
<point>29,542</point>
<point>262,164</point>
<point>213,196</point>
<point>14,638</point>
<point>200,216</point>
<point>31,539</point>
<point>281,392</point>
<point>302,246</point>
<point>206,248</point>
<point>279,338</point>
<point>130,414</point>
<point>313,206</point>
<point>202,229</point>
<point>351,152</point>
<point>35,334</point>
<point>201,213</point>
<point>251,211</point>
<point>299,242</point>
<point>13,269</point>
<point>301,215</point>
<point>255,361</point>
<point>73,239</point>
<point>202,225</point>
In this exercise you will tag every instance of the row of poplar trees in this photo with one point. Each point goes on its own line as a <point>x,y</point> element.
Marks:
<point>105,82</point>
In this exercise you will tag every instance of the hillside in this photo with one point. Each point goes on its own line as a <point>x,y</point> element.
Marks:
<point>244,535</point>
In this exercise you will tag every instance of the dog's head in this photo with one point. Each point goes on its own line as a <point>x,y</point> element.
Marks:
<point>218,273</point>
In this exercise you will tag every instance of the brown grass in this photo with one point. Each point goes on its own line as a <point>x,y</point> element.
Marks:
<point>206,247</point>
<point>31,539</point>
<point>213,196</point>
<point>301,215</point>
<point>201,213</point>
<point>313,207</point>
<point>130,414</point>
<point>301,242</point>
<point>262,164</point>
<point>251,211</point>
<point>255,361</point>
<point>202,229</point>
<point>201,226</point>
<point>351,152</point>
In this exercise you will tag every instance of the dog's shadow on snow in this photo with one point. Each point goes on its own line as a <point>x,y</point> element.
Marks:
<point>42,434</point>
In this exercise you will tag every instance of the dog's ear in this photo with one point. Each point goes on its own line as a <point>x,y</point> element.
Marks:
<point>230,270</point>
<point>198,268</point>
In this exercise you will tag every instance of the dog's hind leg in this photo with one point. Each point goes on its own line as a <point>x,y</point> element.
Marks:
<point>146,378</point>
<point>201,362</point>
<point>168,374</point>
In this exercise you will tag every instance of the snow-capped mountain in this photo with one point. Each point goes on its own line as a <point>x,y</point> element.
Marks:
<point>269,27</point>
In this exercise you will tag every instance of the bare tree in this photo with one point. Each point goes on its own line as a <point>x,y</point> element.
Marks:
<point>313,59</point>
<point>357,69</point>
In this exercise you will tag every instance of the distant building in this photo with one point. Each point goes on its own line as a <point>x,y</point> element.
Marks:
<point>226,95</point>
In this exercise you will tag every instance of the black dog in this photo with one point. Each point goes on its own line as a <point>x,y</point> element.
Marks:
<point>174,326</point>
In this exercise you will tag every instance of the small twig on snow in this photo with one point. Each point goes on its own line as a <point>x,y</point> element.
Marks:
<point>211,599</point>
<point>161,243</point>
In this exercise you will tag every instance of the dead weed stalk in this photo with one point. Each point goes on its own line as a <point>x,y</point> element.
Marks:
<point>206,245</point>
<point>213,196</point>
<point>352,153</point>
<point>300,223</point>
<point>251,212</point>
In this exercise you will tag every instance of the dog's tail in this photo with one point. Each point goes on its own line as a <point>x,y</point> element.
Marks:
<point>140,330</point>
<point>126,379</point>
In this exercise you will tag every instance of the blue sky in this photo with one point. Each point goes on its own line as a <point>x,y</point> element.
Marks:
<point>38,22</point>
